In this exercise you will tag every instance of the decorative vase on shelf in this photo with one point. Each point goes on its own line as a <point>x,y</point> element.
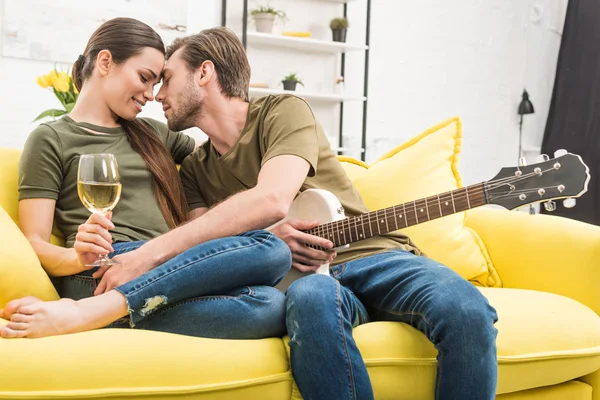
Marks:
<point>264,22</point>
<point>339,27</point>
<point>289,85</point>
<point>264,17</point>
<point>290,81</point>
<point>339,35</point>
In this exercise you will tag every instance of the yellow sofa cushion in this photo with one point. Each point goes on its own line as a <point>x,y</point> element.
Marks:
<point>543,339</point>
<point>126,364</point>
<point>20,270</point>
<point>9,164</point>
<point>394,179</point>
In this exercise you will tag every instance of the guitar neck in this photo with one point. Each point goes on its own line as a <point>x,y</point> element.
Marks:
<point>390,219</point>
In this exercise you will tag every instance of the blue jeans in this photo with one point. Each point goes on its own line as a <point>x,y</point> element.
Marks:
<point>391,286</point>
<point>218,289</point>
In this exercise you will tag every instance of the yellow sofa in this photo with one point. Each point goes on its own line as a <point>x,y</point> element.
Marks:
<point>541,273</point>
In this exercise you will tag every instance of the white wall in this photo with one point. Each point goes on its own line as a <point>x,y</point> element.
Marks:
<point>430,59</point>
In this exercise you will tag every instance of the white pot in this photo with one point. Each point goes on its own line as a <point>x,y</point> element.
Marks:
<point>264,22</point>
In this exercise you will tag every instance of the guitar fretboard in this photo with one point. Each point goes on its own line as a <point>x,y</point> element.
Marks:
<point>390,219</point>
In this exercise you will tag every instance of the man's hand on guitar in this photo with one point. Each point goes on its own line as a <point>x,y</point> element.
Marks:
<point>304,258</point>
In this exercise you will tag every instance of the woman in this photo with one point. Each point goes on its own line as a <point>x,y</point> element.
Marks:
<point>115,76</point>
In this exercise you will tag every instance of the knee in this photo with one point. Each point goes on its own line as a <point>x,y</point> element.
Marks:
<point>270,315</point>
<point>310,295</point>
<point>472,318</point>
<point>276,256</point>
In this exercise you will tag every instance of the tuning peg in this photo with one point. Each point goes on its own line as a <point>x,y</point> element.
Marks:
<point>559,153</point>
<point>542,158</point>
<point>569,202</point>
<point>550,205</point>
<point>522,161</point>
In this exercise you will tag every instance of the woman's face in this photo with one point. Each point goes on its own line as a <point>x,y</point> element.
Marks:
<point>130,85</point>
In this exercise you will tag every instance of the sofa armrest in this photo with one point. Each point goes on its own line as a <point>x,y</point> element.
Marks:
<point>542,252</point>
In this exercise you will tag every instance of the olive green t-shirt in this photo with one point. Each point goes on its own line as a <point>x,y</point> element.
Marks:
<point>48,169</point>
<point>279,125</point>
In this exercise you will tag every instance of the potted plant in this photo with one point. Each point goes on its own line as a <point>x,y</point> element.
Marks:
<point>290,81</point>
<point>265,16</point>
<point>339,26</point>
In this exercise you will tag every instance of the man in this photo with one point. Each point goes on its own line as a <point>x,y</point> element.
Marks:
<point>259,155</point>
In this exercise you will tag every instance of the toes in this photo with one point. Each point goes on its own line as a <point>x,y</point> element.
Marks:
<point>8,333</point>
<point>31,309</point>
<point>18,317</point>
<point>17,326</point>
<point>14,306</point>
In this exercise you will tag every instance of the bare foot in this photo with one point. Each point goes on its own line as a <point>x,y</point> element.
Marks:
<point>49,318</point>
<point>13,306</point>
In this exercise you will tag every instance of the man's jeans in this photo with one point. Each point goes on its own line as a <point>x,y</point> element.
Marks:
<point>392,286</point>
<point>218,289</point>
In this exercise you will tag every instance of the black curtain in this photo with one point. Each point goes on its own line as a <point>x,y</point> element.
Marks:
<point>574,117</point>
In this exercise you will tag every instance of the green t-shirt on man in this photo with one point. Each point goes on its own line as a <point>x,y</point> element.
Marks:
<point>280,125</point>
<point>48,169</point>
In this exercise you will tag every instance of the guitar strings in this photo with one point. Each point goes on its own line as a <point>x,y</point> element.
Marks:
<point>461,195</point>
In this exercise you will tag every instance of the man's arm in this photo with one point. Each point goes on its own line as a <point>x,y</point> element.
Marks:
<point>268,202</point>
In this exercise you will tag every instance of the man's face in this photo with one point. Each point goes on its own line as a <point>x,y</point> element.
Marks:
<point>180,94</point>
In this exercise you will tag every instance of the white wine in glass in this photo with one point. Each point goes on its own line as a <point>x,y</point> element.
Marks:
<point>99,188</point>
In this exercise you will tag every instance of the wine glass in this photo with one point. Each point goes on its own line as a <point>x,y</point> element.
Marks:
<point>99,188</point>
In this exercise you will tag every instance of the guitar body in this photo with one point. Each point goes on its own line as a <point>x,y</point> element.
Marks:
<point>315,205</point>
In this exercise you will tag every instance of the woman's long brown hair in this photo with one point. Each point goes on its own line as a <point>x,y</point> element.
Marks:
<point>124,38</point>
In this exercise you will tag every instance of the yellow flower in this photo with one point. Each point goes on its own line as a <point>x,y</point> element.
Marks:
<point>61,81</point>
<point>64,90</point>
<point>44,81</point>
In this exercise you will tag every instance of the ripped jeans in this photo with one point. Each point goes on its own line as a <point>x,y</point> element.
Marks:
<point>218,289</point>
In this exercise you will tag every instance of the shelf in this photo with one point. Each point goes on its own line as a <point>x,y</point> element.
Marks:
<point>257,92</point>
<point>302,43</point>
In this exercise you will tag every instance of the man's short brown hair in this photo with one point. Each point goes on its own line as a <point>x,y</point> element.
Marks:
<point>221,46</point>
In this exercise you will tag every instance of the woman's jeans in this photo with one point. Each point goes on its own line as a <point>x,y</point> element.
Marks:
<point>219,289</point>
<point>391,286</point>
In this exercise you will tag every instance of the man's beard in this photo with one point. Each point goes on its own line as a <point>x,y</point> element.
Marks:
<point>189,110</point>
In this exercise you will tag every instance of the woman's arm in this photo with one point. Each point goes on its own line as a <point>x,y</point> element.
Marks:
<point>35,220</point>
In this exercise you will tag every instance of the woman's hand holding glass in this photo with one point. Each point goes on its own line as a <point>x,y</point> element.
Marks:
<point>93,239</point>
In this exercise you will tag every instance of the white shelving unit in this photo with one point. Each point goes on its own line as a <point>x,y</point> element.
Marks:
<point>301,43</point>
<point>310,45</point>
<point>336,98</point>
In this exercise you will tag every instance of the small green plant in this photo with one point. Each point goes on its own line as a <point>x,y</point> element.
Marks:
<point>292,77</point>
<point>339,23</point>
<point>268,10</point>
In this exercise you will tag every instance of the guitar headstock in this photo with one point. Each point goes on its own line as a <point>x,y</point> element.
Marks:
<point>561,177</point>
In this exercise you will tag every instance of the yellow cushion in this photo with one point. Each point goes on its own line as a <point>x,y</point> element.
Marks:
<point>427,165</point>
<point>9,165</point>
<point>354,168</point>
<point>134,363</point>
<point>9,195</point>
<point>20,270</point>
<point>543,339</point>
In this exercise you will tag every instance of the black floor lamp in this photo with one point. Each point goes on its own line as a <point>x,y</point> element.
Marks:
<point>525,107</point>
